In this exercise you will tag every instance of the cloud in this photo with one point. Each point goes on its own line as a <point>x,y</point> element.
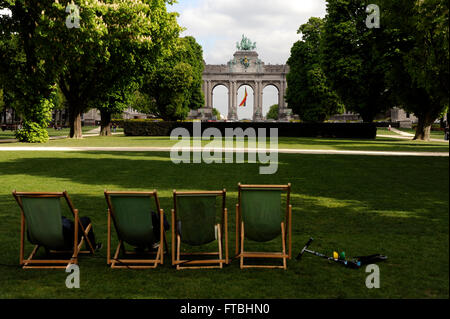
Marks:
<point>273,24</point>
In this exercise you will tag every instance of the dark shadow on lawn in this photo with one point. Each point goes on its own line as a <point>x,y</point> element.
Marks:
<point>378,144</point>
<point>378,183</point>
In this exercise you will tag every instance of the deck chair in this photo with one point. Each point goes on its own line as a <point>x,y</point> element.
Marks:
<point>194,224</point>
<point>259,218</point>
<point>131,214</point>
<point>42,221</point>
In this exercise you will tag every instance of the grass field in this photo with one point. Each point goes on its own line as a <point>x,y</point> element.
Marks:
<point>380,144</point>
<point>396,206</point>
<point>434,134</point>
<point>51,132</point>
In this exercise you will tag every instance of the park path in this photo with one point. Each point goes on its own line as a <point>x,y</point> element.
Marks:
<point>224,150</point>
<point>407,136</point>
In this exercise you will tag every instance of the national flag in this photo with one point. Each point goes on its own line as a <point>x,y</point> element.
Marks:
<point>244,101</point>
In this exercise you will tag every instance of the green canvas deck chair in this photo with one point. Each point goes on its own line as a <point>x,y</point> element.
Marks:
<point>194,224</point>
<point>261,218</point>
<point>131,214</point>
<point>42,221</point>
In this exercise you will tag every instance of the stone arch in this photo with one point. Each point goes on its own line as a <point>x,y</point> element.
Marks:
<point>223,109</point>
<point>275,84</point>
<point>216,84</point>
<point>247,83</point>
<point>256,74</point>
<point>249,111</point>
<point>265,97</point>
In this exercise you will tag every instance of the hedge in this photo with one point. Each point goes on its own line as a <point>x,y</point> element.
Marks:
<point>328,130</point>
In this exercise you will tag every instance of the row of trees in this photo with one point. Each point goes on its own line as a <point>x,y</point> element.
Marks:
<point>120,47</point>
<point>342,63</point>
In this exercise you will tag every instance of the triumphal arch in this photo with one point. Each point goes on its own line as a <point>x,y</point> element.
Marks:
<point>246,69</point>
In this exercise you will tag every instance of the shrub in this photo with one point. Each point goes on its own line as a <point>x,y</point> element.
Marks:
<point>32,133</point>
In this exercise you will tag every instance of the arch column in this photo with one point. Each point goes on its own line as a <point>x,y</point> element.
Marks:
<point>210,96</point>
<point>205,92</point>
<point>283,113</point>
<point>232,101</point>
<point>257,98</point>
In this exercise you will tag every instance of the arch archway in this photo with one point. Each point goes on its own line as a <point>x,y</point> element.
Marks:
<point>246,112</point>
<point>271,96</point>
<point>220,99</point>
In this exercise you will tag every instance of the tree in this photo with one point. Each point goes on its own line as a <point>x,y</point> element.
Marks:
<point>2,102</point>
<point>98,64</point>
<point>142,103</point>
<point>355,58</point>
<point>273,113</point>
<point>28,74</point>
<point>217,114</point>
<point>175,84</point>
<point>309,93</point>
<point>105,59</point>
<point>419,76</point>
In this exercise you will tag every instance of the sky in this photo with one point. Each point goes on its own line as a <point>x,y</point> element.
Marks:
<point>218,24</point>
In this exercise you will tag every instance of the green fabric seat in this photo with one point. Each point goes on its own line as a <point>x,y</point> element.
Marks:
<point>133,219</point>
<point>196,215</point>
<point>261,213</point>
<point>44,226</point>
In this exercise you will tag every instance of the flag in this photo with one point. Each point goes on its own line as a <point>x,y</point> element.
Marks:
<point>244,101</point>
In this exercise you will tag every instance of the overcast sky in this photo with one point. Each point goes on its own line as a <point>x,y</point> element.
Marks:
<point>272,24</point>
<point>218,24</point>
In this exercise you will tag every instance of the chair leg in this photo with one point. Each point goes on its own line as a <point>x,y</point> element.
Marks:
<point>237,230</point>
<point>108,252</point>
<point>226,236</point>
<point>22,240</point>
<point>220,245</point>
<point>163,237</point>
<point>116,255</point>
<point>283,239</point>
<point>173,237</point>
<point>242,244</point>
<point>178,251</point>
<point>290,232</point>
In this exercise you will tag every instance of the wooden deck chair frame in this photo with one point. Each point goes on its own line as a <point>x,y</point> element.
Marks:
<point>285,228</point>
<point>129,263</point>
<point>30,262</point>
<point>222,229</point>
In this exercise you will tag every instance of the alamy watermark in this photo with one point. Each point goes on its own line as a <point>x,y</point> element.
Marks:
<point>73,19</point>
<point>73,280</point>
<point>233,146</point>
<point>373,20</point>
<point>373,280</point>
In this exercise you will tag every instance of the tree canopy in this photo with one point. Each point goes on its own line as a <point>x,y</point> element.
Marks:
<point>309,93</point>
<point>273,113</point>
<point>98,64</point>
<point>175,84</point>
<point>419,76</point>
<point>355,58</point>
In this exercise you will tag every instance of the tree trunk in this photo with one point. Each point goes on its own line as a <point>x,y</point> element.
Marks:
<point>105,124</point>
<point>423,129</point>
<point>75,124</point>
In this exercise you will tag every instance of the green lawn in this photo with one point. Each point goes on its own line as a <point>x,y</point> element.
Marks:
<point>391,205</point>
<point>434,134</point>
<point>380,144</point>
<point>51,132</point>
